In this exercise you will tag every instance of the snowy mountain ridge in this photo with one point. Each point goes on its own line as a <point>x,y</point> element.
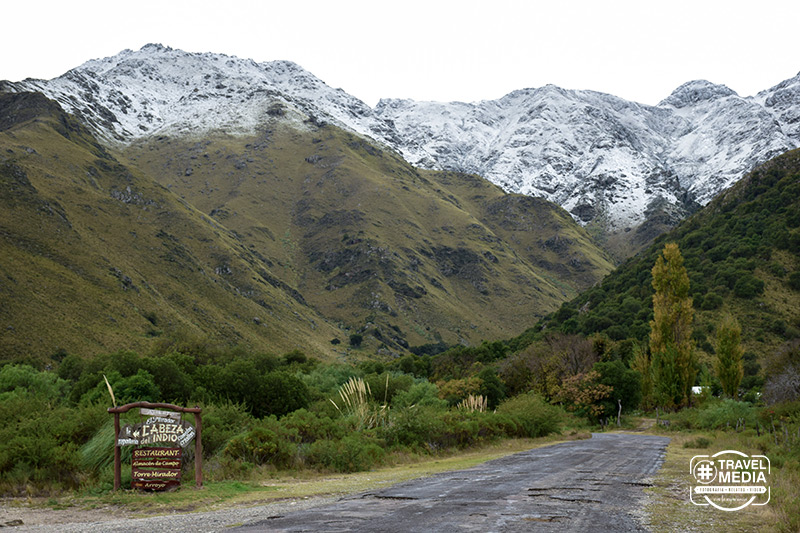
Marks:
<point>607,160</point>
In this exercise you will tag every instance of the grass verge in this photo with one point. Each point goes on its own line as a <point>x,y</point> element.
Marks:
<point>668,507</point>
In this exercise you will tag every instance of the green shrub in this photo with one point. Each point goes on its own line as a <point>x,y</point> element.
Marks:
<point>794,281</point>
<point>327,379</point>
<point>139,387</point>
<point>353,453</point>
<point>417,427</point>
<point>279,393</point>
<point>221,422</point>
<point>748,286</point>
<point>264,444</point>
<point>26,378</point>
<point>386,385</point>
<point>423,394</point>
<point>356,339</point>
<point>98,453</point>
<point>531,415</point>
<point>175,384</point>
<point>711,301</point>
<point>39,439</point>
<point>311,427</point>
<point>716,414</point>
<point>626,385</point>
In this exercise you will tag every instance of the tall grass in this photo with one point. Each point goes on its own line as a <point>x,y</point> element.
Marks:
<point>473,403</point>
<point>357,404</point>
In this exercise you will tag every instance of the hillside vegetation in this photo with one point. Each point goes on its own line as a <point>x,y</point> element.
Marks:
<point>742,254</point>
<point>97,256</point>
<point>300,237</point>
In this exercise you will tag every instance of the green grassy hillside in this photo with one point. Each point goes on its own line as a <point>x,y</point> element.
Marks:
<point>742,253</point>
<point>98,257</point>
<point>401,256</point>
<point>298,237</point>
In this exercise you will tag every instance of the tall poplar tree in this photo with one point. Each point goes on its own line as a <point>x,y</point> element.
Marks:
<point>671,346</point>
<point>729,356</point>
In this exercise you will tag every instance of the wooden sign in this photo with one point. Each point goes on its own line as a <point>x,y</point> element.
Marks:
<point>156,468</point>
<point>156,453</point>
<point>156,473</point>
<point>156,463</point>
<point>155,485</point>
<point>157,412</point>
<point>156,429</point>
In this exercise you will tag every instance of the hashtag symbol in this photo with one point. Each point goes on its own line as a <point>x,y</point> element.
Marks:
<point>705,472</point>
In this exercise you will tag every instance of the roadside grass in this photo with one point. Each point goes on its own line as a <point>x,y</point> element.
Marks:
<point>668,507</point>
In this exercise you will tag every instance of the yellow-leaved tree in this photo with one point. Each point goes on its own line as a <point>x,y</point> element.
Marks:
<point>673,358</point>
<point>729,365</point>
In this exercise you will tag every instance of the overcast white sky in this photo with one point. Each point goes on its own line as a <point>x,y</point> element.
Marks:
<point>461,50</point>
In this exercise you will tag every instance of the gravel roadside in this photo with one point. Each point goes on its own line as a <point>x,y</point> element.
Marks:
<point>110,519</point>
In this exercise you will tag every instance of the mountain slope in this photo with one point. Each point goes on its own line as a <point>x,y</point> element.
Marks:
<point>606,160</point>
<point>613,164</point>
<point>742,253</point>
<point>98,257</point>
<point>292,238</point>
<point>404,256</point>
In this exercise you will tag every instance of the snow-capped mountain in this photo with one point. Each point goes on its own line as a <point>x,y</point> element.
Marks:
<point>161,91</point>
<point>603,158</point>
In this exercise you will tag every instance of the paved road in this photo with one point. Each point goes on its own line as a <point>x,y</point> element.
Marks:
<point>594,484</point>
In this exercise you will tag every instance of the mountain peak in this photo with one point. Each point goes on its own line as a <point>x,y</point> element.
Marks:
<point>694,92</point>
<point>156,47</point>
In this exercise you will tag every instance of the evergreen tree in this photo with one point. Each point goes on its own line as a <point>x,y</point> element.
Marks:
<point>671,346</point>
<point>729,366</point>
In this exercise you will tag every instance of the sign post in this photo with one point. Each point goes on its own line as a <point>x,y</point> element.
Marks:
<point>158,468</point>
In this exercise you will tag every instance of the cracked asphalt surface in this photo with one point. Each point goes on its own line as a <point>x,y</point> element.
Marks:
<point>594,484</point>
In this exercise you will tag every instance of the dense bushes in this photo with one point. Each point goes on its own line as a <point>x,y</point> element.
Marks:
<point>258,411</point>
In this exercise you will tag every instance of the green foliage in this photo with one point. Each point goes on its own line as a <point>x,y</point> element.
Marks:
<point>350,454</point>
<point>98,453</point>
<point>221,422</point>
<point>491,387</point>
<point>25,378</point>
<point>626,385</point>
<point>716,414</point>
<point>699,442</point>
<point>138,387</point>
<point>422,393</point>
<point>46,439</point>
<point>729,365</point>
<point>268,442</point>
<point>531,415</point>
<point>386,386</point>
<point>671,344</point>
<point>326,379</point>
<point>280,393</point>
<point>416,427</point>
<point>356,339</point>
<point>727,247</point>
<point>311,427</point>
<point>39,436</point>
<point>794,281</point>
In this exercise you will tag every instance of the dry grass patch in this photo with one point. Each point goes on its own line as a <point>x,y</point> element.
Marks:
<point>668,507</point>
